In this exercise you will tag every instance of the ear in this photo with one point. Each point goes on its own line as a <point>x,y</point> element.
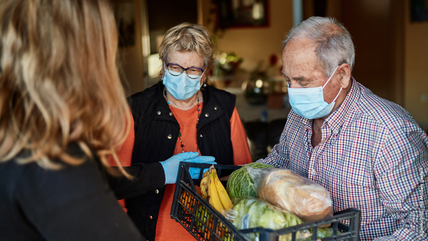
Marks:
<point>344,72</point>
<point>203,79</point>
<point>163,69</point>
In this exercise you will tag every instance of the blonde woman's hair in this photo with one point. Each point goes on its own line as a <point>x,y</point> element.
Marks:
<point>187,37</point>
<point>59,82</point>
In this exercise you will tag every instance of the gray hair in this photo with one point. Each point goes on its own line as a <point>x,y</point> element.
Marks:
<point>188,37</point>
<point>334,43</point>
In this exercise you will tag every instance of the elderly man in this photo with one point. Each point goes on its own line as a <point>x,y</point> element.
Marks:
<point>368,152</point>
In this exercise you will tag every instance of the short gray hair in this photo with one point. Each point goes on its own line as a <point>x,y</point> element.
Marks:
<point>334,43</point>
<point>188,37</point>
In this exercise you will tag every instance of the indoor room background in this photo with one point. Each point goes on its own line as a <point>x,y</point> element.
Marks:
<point>390,36</point>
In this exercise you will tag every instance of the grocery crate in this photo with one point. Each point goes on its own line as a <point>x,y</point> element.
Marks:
<point>198,217</point>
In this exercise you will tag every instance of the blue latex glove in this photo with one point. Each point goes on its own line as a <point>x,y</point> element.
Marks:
<point>194,172</point>
<point>171,165</point>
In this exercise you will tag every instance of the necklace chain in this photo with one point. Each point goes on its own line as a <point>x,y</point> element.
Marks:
<point>199,113</point>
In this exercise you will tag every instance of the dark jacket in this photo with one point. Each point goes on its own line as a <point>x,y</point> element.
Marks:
<point>74,203</point>
<point>156,133</point>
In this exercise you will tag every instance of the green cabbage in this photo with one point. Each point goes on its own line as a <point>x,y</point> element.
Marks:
<point>324,232</point>
<point>240,183</point>
<point>253,212</point>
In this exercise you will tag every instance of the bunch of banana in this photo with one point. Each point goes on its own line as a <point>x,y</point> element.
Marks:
<point>214,192</point>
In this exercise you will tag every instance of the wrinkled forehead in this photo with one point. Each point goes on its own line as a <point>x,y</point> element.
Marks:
<point>299,55</point>
<point>301,47</point>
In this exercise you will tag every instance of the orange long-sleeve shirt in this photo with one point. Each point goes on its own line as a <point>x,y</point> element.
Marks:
<point>167,228</point>
<point>125,154</point>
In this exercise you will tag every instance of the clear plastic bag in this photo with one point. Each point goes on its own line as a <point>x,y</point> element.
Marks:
<point>253,212</point>
<point>299,195</point>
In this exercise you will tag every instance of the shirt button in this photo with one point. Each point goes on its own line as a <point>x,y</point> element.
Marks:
<point>207,115</point>
<point>201,136</point>
<point>159,112</point>
<point>157,191</point>
<point>169,136</point>
<point>215,108</point>
<point>170,113</point>
<point>150,216</point>
<point>335,132</point>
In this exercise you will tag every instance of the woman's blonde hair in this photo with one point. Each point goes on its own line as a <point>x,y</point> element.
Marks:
<point>59,82</point>
<point>187,37</point>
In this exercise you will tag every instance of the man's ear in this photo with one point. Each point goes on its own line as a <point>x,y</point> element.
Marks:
<point>345,75</point>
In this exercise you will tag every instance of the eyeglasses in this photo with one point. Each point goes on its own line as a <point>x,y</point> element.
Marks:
<point>192,72</point>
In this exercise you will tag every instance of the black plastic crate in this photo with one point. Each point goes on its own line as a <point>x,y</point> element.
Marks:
<point>198,217</point>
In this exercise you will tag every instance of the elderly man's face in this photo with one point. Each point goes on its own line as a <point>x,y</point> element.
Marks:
<point>301,69</point>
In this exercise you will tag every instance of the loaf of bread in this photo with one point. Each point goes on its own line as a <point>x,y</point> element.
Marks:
<point>296,194</point>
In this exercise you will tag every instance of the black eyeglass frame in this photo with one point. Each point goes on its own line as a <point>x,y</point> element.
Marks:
<point>184,70</point>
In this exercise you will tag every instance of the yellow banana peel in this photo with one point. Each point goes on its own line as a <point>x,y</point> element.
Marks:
<point>213,197</point>
<point>224,196</point>
<point>204,185</point>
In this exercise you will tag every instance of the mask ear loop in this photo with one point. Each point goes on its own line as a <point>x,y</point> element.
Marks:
<point>164,65</point>
<point>329,80</point>
<point>330,77</point>
<point>204,83</point>
<point>337,94</point>
<point>164,69</point>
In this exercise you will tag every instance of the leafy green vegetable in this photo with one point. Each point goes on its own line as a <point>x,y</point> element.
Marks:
<point>253,212</point>
<point>324,232</point>
<point>272,219</point>
<point>240,183</point>
<point>321,233</point>
<point>242,207</point>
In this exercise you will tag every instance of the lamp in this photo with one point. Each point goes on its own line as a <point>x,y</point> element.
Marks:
<point>258,11</point>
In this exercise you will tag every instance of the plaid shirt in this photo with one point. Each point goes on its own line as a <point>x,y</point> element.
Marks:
<point>373,156</point>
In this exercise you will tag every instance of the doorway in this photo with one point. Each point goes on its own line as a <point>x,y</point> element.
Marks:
<point>377,30</point>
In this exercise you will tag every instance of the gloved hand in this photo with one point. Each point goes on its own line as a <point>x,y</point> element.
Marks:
<point>170,166</point>
<point>194,172</point>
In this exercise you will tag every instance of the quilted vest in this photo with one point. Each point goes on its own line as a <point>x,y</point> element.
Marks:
<point>156,133</point>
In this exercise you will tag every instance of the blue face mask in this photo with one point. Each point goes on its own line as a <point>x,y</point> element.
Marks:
<point>309,102</point>
<point>181,87</point>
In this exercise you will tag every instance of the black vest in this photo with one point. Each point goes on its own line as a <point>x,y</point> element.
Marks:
<point>156,133</point>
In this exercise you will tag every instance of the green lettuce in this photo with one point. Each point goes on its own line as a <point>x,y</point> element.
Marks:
<point>253,213</point>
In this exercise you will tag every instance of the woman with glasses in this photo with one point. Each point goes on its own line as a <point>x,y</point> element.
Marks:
<point>181,113</point>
